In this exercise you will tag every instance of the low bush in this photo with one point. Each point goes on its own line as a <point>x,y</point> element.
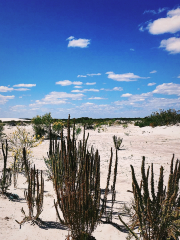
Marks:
<point>160,118</point>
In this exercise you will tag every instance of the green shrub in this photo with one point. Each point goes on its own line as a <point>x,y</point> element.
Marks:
<point>160,119</point>
<point>42,125</point>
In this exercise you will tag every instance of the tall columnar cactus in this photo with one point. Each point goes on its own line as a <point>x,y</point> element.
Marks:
<point>5,180</point>
<point>76,179</point>
<point>156,215</point>
<point>34,194</point>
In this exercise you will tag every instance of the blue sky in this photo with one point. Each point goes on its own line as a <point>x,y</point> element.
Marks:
<point>97,58</point>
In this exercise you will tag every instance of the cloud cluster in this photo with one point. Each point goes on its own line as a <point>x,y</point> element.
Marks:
<point>81,42</point>
<point>57,98</point>
<point>4,99</point>
<point>169,24</point>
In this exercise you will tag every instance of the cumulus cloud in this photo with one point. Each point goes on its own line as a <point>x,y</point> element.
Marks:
<point>67,83</point>
<point>126,77</point>
<point>92,83</point>
<point>57,98</point>
<point>154,71</point>
<point>5,89</point>
<point>126,95</point>
<point>81,42</point>
<point>24,85</point>
<point>4,99</point>
<point>151,84</point>
<point>168,88</point>
<point>170,24</point>
<point>171,45</point>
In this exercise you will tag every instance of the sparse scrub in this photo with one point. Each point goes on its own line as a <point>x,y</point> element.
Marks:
<point>22,139</point>
<point>161,118</point>
<point>156,216</point>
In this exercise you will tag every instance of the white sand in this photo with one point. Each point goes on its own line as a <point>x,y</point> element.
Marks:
<point>156,144</point>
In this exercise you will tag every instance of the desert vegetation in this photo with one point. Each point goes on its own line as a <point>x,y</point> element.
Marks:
<point>74,169</point>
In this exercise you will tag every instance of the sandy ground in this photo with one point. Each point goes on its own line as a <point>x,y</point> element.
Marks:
<point>156,144</point>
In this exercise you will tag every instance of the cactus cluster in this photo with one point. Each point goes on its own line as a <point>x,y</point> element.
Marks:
<point>157,216</point>
<point>5,180</point>
<point>35,192</point>
<point>76,179</point>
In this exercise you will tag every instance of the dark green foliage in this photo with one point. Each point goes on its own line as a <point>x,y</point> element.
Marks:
<point>156,215</point>
<point>160,119</point>
<point>5,180</point>
<point>42,125</point>
<point>75,172</point>
<point>34,194</point>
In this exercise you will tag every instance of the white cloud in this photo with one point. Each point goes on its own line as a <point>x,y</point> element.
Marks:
<point>88,83</point>
<point>178,76</point>
<point>4,99</point>
<point>93,74</point>
<point>25,85</point>
<point>97,98</point>
<point>126,95</point>
<point>86,90</point>
<point>117,89</point>
<point>126,77</point>
<point>114,89</point>
<point>171,45</point>
<point>77,86</point>
<point>67,83</point>
<point>22,89</point>
<point>170,24</point>
<point>57,98</point>
<point>18,108</point>
<point>82,43</point>
<point>168,88</point>
<point>5,89</point>
<point>154,71</point>
<point>151,84</point>
<point>132,49</point>
<point>81,76</point>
